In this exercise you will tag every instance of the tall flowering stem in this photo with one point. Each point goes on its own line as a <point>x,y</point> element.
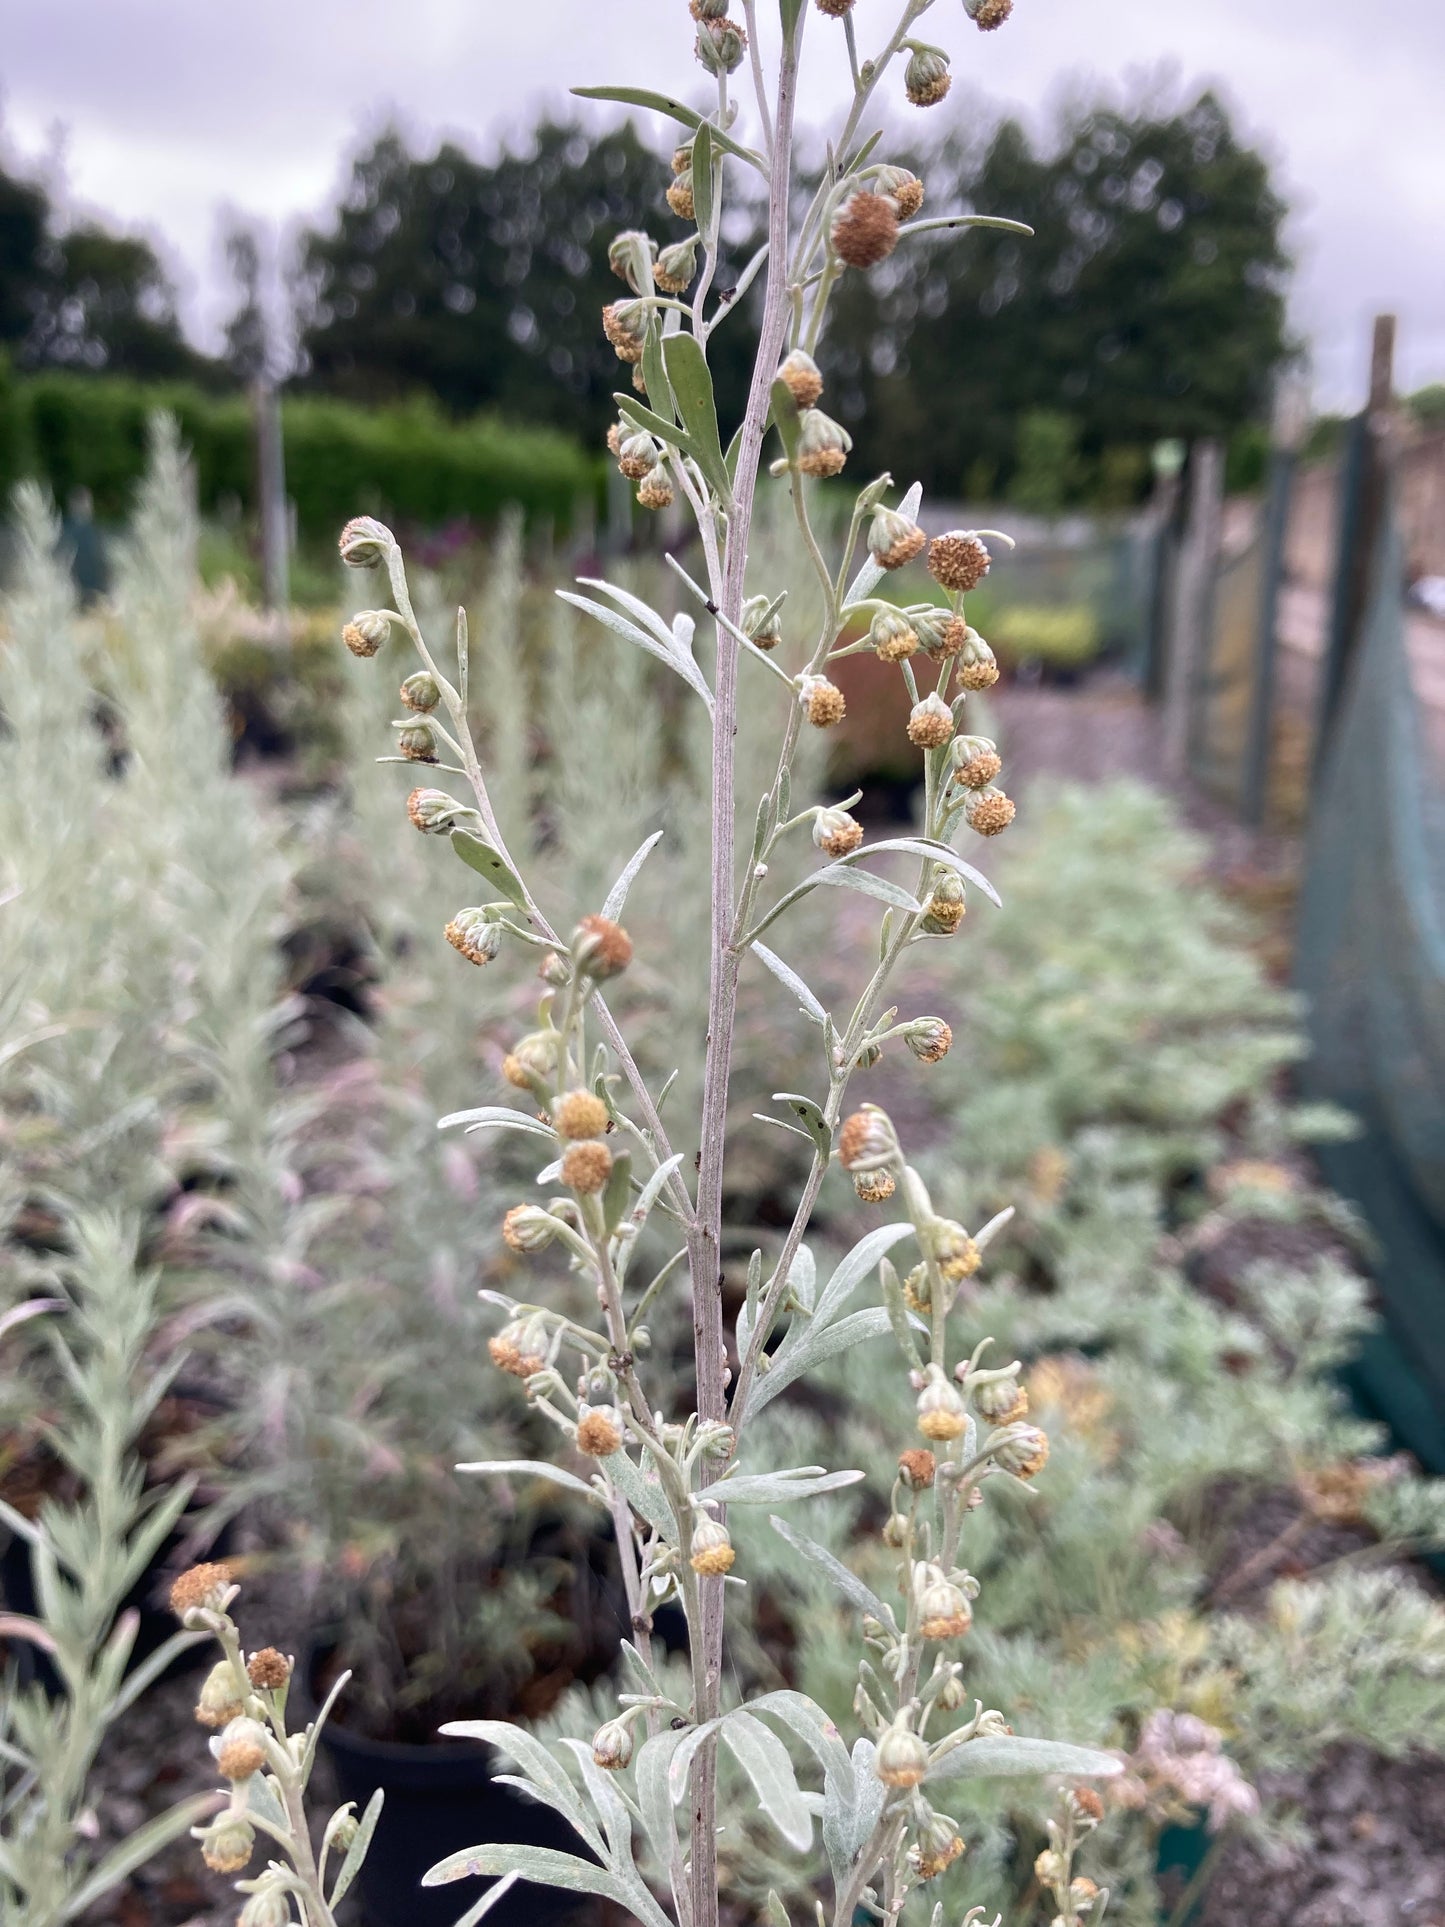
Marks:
<point>669,1480</point>
<point>265,1769</point>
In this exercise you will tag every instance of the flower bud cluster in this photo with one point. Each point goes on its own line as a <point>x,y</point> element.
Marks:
<point>435,813</point>
<point>926,79</point>
<point>893,539</point>
<point>893,636</point>
<point>944,1610</point>
<point>902,1757</point>
<point>600,948</point>
<point>946,906</point>
<point>800,375</point>
<point>930,724</point>
<point>865,232</point>
<point>521,1347</point>
<point>246,1696</point>
<point>630,256</point>
<point>1020,1449</point>
<point>874,1187</point>
<point>903,188</point>
<point>599,1431</point>
<point>366,543</point>
<point>761,621</point>
<point>612,1746</point>
<point>941,1414</point>
<point>836,833</point>
<point>823,446</point>
<point>676,267</point>
<point>367,631</point>
<point>474,934</point>
<point>959,560</point>
<point>625,326</point>
<point>867,1141</point>
<point>823,702</point>
<point>710,1552</point>
<point>721,44</point>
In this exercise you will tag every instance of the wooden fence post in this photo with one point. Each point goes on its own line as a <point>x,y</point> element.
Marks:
<point>1361,503</point>
<point>1288,433</point>
<point>1192,595</point>
<point>271,498</point>
<point>1163,553</point>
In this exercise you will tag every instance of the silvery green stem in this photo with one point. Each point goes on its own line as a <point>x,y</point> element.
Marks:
<point>705,1238</point>
<point>318,1914</point>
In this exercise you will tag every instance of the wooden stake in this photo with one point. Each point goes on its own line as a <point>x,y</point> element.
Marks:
<point>1193,587</point>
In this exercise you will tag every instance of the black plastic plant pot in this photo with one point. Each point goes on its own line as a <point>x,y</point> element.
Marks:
<point>440,1800</point>
<point>1181,1855</point>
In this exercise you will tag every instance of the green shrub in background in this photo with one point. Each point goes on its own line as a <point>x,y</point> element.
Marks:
<point>1059,639</point>
<point>407,461</point>
<point>1048,472</point>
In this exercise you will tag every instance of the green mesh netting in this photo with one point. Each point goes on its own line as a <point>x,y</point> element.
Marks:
<point>1371,958</point>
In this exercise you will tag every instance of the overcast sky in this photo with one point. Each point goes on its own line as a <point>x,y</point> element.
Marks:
<point>162,112</point>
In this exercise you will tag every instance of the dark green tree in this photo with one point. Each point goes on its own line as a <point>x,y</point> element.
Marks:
<point>103,302</point>
<point>23,212</point>
<point>482,282</point>
<point>84,298</point>
<point>1149,302</point>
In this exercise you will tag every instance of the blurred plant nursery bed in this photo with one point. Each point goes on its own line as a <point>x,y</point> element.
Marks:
<point>1223,1577</point>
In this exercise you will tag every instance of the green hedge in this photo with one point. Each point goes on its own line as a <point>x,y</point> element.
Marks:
<point>405,461</point>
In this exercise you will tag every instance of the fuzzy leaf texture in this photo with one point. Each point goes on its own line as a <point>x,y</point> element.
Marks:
<point>928,847</point>
<point>533,1469</point>
<point>765,1760</point>
<point>495,1117</point>
<point>546,1779</point>
<point>1011,1756</point>
<point>783,1488</point>
<point>674,109</point>
<point>691,380</point>
<point>549,1869</point>
<point>357,1851</point>
<point>482,858</point>
<point>825,1334</point>
<point>848,1583</point>
<point>791,981</point>
<point>644,638</point>
<point>617,895</point>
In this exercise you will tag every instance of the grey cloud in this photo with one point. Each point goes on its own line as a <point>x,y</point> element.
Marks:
<point>174,108</point>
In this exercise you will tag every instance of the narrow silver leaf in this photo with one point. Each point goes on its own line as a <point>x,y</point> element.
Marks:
<point>617,895</point>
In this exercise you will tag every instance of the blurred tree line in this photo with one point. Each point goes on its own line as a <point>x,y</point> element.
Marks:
<point>1148,304</point>
<point>81,298</point>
